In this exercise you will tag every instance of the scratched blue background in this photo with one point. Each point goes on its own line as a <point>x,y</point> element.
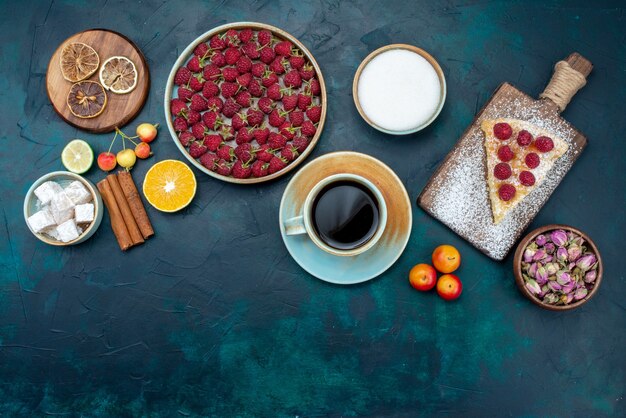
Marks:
<point>213,317</point>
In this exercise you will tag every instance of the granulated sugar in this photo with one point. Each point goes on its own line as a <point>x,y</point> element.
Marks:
<point>399,90</point>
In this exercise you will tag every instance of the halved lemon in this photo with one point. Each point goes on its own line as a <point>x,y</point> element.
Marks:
<point>78,61</point>
<point>119,75</point>
<point>169,185</point>
<point>86,99</point>
<point>77,156</point>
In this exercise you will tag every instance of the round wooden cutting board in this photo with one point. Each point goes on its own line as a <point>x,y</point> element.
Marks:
<point>120,108</point>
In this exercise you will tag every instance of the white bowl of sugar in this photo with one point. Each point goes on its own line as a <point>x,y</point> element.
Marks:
<point>399,89</point>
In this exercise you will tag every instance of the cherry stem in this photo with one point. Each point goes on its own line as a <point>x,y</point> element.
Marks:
<point>112,142</point>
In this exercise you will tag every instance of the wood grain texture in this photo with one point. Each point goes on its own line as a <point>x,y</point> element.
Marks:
<point>120,108</point>
<point>507,101</point>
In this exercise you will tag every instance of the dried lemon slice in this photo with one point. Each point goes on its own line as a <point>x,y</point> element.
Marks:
<point>78,61</point>
<point>86,99</point>
<point>119,75</point>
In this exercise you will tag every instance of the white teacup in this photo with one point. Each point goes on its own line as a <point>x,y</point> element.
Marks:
<point>303,224</point>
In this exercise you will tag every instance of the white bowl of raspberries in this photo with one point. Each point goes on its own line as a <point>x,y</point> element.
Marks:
<point>245,102</point>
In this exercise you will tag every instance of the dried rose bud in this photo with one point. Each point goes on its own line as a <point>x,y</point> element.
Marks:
<point>568,288</point>
<point>580,293</point>
<point>574,252</point>
<point>544,290</point>
<point>539,255</point>
<point>561,254</point>
<point>549,247</point>
<point>559,237</point>
<point>563,277</point>
<point>532,270</point>
<point>533,287</point>
<point>541,275</point>
<point>528,254</point>
<point>567,298</point>
<point>554,286</point>
<point>551,268</point>
<point>548,259</point>
<point>590,277</point>
<point>586,261</point>
<point>551,298</point>
<point>571,266</point>
<point>541,240</point>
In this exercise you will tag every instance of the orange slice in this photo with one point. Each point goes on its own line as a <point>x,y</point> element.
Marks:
<point>78,61</point>
<point>86,99</point>
<point>169,185</point>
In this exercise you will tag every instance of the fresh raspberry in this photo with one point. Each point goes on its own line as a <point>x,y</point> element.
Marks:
<point>210,89</point>
<point>239,121</point>
<point>193,117</point>
<point>293,79</point>
<point>314,113</point>
<point>211,72</point>
<point>277,164</point>
<point>502,131</point>
<point>241,170</point>
<point>198,103</point>
<point>232,55</point>
<point>301,143</point>
<point>226,152</point>
<point>184,93</point>
<point>505,154</point>
<point>244,80</point>
<point>307,128</point>
<point>288,131</point>
<point>264,37</point>
<point>250,50</point>
<point>289,153</point>
<point>217,42</point>
<point>182,76</point>
<point>524,138</point>
<point>296,60</point>
<point>213,142</point>
<point>276,140</point>
<point>245,35</point>
<point>261,135</point>
<point>502,171</point>
<point>274,93</point>
<point>227,132</point>
<point>506,192</point>
<point>199,130</point>
<point>202,50</point>
<point>304,101</point>
<point>283,48</point>
<point>290,100</point>
<point>230,108</point>
<point>243,65</point>
<point>195,64</point>
<point>229,89</point>
<point>215,104</point>
<point>526,178</point>
<point>244,135</point>
<point>258,69</point>
<point>178,107</point>
<point>267,55</point>
<point>307,71</point>
<point>260,169</point>
<point>185,138</point>
<point>243,98</point>
<point>245,152</point>
<point>209,160</point>
<point>196,83</point>
<point>315,87</point>
<point>223,167</point>
<point>544,144</point>
<point>197,149</point>
<point>211,119</point>
<point>255,117</point>
<point>232,38</point>
<point>278,65</point>
<point>532,160</point>
<point>255,88</point>
<point>269,78</point>
<point>277,117</point>
<point>180,124</point>
<point>266,105</point>
<point>296,117</point>
<point>218,59</point>
<point>265,153</point>
<point>230,73</point>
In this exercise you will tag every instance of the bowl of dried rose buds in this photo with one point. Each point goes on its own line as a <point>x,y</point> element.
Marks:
<point>557,267</point>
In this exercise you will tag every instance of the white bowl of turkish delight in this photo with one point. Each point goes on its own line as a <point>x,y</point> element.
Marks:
<point>63,208</point>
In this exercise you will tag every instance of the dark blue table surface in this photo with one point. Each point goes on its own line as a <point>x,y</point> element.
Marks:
<point>213,317</point>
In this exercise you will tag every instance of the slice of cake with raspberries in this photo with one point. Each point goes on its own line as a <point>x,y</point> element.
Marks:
<point>519,156</point>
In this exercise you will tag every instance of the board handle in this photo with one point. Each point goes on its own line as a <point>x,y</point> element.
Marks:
<point>570,75</point>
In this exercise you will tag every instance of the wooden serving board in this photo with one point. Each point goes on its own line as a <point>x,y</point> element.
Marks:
<point>457,193</point>
<point>120,108</point>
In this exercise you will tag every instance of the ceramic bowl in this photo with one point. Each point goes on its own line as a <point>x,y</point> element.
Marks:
<point>517,266</point>
<point>186,54</point>
<point>64,178</point>
<point>427,57</point>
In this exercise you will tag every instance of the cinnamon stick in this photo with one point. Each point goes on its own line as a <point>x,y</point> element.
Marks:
<point>135,203</point>
<point>127,215</point>
<point>117,222</point>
